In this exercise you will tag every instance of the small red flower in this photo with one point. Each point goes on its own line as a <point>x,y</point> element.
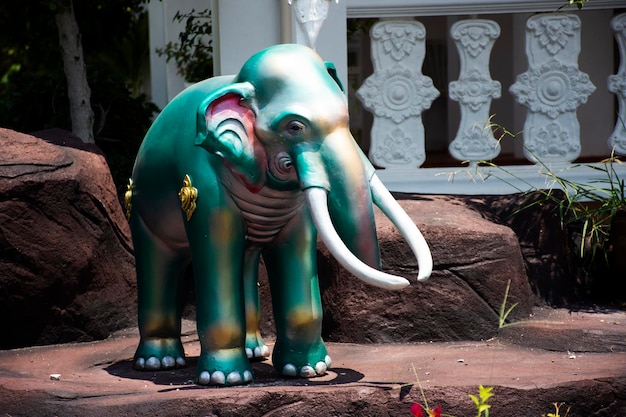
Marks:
<point>416,410</point>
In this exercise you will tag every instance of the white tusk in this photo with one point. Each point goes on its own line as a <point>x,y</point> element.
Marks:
<point>390,207</point>
<point>317,202</point>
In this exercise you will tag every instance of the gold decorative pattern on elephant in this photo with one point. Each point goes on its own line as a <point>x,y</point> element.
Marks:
<point>188,195</point>
<point>127,198</point>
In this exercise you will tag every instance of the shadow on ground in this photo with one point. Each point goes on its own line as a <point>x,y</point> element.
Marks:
<point>264,375</point>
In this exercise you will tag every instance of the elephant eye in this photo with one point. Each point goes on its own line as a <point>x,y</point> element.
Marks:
<point>295,127</point>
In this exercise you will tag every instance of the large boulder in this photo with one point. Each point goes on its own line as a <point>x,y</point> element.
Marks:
<point>66,258</point>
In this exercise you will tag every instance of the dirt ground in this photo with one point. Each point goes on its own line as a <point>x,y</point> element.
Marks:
<point>575,358</point>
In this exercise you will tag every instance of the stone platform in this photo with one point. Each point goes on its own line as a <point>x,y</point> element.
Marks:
<point>573,357</point>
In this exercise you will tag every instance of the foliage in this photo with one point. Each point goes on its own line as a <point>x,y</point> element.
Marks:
<point>33,90</point>
<point>591,204</point>
<point>480,401</point>
<point>193,53</point>
<point>578,3</point>
<point>504,312</point>
<point>557,410</point>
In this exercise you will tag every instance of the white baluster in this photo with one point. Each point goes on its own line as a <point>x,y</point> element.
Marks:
<point>397,93</point>
<point>474,90</point>
<point>552,88</point>
<point>617,85</point>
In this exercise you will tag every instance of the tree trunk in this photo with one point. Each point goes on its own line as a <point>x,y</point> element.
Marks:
<point>78,90</point>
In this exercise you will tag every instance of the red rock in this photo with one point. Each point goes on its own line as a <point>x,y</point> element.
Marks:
<point>66,260</point>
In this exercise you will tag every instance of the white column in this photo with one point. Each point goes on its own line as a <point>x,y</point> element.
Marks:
<point>241,28</point>
<point>617,86</point>
<point>397,93</point>
<point>474,90</point>
<point>552,88</point>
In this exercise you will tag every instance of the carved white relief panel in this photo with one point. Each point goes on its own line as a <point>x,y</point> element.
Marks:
<point>617,86</point>
<point>310,15</point>
<point>552,88</point>
<point>397,93</point>
<point>474,90</point>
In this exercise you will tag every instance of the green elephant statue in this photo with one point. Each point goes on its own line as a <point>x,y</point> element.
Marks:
<point>239,167</point>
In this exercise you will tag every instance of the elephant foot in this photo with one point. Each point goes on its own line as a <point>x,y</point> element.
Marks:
<point>306,361</point>
<point>307,371</point>
<point>159,354</point>
<point>256,350</point>
<point>224,367</point>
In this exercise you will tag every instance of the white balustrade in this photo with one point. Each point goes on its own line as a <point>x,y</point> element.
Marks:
<point>617,85</point>
<point>552,88</point>
<point>397,93</point>
<point>474,90</point>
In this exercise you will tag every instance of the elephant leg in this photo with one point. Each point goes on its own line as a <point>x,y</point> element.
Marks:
<point>292,268</point>
<point>217,259</point>
<point>159,280</point>
<point>255,346</point>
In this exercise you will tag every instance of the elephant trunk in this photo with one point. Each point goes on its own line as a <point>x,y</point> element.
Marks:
<point>318,205</point>
<point>341,189</point>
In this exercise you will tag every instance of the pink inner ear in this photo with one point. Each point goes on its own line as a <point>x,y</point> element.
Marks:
<point>229,107</point>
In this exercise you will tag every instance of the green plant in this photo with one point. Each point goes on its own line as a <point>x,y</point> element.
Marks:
<point>480,401</point>
<point>557,410</point>
<point>591,204</point>
<point>577,3</point>
<point>193,53</point>
<point>504,312</point>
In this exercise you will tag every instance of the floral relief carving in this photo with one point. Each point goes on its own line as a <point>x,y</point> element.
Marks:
<point>553,142</point>
<point>552,88</point>
<point>474,90</point>
<point>476,38</point>
<point>398,148</point>
<point>477,142</point>
<point>398,39</point>
<point>554,32</point>
<point>397,93</point>
<point>617,86</point>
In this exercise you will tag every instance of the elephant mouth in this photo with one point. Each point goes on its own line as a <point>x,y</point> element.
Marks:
<point>317,202</point>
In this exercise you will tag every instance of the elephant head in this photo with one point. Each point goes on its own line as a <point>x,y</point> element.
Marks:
<point>283,123</point>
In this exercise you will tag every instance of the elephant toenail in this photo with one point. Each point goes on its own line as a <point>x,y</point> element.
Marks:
<point>140,363</point>
<point>153,363</point>
<point>204,378</point>
<point>249,353</point>
<point>233,378</point>
<point>168,362</point>
<point>320,368</point>
<point>265,351</point>
<point>218,378</point>
<point>180,362</point>
<point>328,361</point>
<point>307,371</point>
<point>289,370</point>
<point>257,352</point>
<point>247,376</point>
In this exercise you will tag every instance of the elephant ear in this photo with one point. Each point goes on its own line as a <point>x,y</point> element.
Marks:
<point>332,71</point>
<point>226,128</point>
